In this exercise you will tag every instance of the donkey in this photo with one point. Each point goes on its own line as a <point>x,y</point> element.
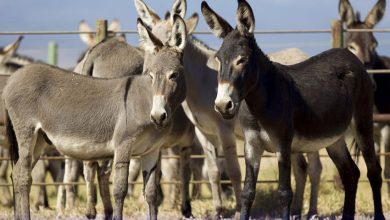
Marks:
<point>73,168</point>
<point>90,40</point>
<point>298,108</point>
<point>99,62</point>
<point>10,61</point>
<point>121,117</point>
<point>213,132</point>
<point>363,45</point>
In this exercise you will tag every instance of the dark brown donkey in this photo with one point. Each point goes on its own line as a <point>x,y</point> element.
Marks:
<point>298,108</point>
<point>363,45</point>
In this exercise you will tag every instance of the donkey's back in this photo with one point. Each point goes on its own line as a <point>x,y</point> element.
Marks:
<point>328,89</point>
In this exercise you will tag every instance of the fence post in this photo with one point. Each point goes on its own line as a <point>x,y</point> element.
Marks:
<point>52,53</point>
<point>101,30</point>
<point>337,34</point>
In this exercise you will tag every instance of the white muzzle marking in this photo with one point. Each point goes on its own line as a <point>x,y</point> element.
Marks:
<point>158,108</point>
<point>224,93</point>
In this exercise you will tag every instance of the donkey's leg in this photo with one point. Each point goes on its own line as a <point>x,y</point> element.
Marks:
<point>5,199</point>
<point>253,154</point>
<point>121,173</point>
<point>104,172</point>
<point>284,165</point>
<point>314,171</point>
<point>151,172</point>
<point>60,205</point>
<point>134,170</point>
<point>364,137</point>
<point>71,189</point>
<point>299,167</point>
<point>185,175</point>
<point>349,174</point>
<point>228,142</point>
<point>170,168</point>
<point>38,176</point>
<point>213,171</point>
<point>90,168</point>
<point>196,168</point>
<point>386,142</point>
<point>26,139</point>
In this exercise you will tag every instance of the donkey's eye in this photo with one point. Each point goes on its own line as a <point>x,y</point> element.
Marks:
<point>373,46</point>
<point>351,47</point>
<point>173,76</point>
<point>241,61</point>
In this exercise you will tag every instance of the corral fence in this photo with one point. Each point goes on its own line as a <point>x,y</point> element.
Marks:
<point>337,32</point>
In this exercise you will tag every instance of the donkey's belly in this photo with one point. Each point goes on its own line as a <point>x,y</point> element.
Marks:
<point>82,149</point>
<point>303,144</point>
<point>300,144</point>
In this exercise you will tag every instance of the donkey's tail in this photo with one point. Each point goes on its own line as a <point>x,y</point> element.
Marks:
<point>10,134</point>
<point>355,150</point>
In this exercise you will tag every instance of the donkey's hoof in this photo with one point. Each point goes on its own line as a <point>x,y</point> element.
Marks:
<point>296,217</point>
<point>237,215</point>
<point>313,217</point>
<point>379,217</point>
<point>187,217</point>
<point>91,214</point>
<point>186,209</point>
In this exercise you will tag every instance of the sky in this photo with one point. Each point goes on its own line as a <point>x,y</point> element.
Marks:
<point>65,15</point>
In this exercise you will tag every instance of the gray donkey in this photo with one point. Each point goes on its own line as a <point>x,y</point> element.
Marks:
<point>363,45</point>
<point>98,62</point>
<point>218,136</point>
<point>110,117</point>
<point>298,108</point>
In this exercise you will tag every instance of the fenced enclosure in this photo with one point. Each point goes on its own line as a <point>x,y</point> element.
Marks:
<point>337,35</point>
<point>336,32</point>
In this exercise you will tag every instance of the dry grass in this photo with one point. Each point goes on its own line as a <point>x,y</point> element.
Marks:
<point>330,200</point>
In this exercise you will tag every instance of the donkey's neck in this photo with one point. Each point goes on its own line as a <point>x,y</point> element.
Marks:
<point>198,75</point>
<point>267,95</point>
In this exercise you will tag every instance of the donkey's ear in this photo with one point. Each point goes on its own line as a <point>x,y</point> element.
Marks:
<point>9,50</point>
<point>192,22</point>
<point>179,8</point>
<point>245,18</point>
<point>179,33</point>
<point>115,26</point>
<point>376,14</point>
<point>87,38</point>
<point>219,26</point>
<point>150,42</point>
<point>346,12</point>
<point>148,16</point>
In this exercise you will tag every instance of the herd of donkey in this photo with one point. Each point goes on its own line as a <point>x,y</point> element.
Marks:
<point>173,94</point>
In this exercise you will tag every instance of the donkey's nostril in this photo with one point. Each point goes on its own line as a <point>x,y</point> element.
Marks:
<point>229,105</point>
<point>163,116</point>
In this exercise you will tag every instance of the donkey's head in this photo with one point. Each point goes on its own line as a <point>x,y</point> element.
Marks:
<point>164,65</point>
<point>8,51</point>
<point>362,44</point>
<point>237,57</point>
<point>162,28</point>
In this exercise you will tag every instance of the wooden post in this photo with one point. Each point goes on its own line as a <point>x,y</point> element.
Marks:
<point>337,34</point>
<point>101,30</point>
<point>52,54</point>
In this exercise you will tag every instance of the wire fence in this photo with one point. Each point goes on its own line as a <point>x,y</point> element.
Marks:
<point>257,32</point>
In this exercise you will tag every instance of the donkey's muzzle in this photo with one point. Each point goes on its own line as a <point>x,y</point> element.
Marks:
<point>226,109</point>
<point>159,119</point>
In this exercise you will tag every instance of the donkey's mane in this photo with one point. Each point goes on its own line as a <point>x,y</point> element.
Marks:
<point>200,45</point>
<point>20,60</point>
